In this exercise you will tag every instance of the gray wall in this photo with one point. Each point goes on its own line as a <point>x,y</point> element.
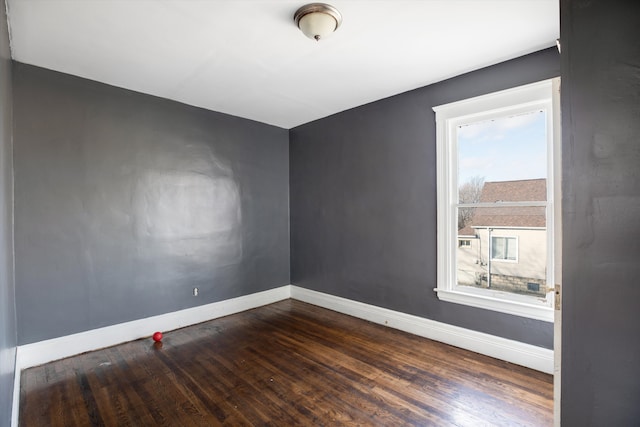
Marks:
<point>363,201</point>
<point>7,289</point>
<point>124,202</point>
<point>601,199</point>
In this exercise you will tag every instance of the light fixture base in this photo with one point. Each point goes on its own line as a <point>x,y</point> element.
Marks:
<point>322,10</point>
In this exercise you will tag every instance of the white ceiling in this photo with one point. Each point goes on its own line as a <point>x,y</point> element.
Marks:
<point>247,58</point>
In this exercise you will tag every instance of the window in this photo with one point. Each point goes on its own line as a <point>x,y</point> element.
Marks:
<point>495,170</point>
<point>504,248</point>
<point>464,243</point>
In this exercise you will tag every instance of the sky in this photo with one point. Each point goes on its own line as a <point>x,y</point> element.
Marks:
<point>504,149</point>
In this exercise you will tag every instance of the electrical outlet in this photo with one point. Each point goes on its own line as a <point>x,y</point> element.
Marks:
<point>195,292</point>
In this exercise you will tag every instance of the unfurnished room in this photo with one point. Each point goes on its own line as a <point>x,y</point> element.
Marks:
<point>272,212</point>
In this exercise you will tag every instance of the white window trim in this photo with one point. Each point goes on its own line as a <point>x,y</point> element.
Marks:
<point>448,117</point>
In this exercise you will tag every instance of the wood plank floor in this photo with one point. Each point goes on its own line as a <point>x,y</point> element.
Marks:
<point>285,364</point>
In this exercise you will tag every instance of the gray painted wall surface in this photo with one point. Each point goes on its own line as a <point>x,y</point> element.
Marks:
<point>7,289</point>
<point>125,202</point>
<point>601,199</point>
<point>363,201</point>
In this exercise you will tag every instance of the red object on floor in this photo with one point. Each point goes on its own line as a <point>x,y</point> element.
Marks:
<point>157,336</point>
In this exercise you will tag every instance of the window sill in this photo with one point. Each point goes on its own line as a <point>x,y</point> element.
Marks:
<point>517,305</point>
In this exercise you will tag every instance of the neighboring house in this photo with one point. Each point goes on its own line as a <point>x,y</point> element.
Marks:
<point>505,248</point>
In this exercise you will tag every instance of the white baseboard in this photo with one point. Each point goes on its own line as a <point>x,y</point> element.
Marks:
<point>528,355</point>
<point>15,408</point>
<point>37,353</point>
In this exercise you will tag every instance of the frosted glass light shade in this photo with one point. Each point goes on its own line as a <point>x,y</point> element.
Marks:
<point>317,25</point>
<point>317,20</point>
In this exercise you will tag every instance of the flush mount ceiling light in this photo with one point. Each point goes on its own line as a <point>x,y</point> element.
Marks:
<point>317,20</point>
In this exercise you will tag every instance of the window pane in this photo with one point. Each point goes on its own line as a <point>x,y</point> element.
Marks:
<point>498,248</point>
<point>507,252</point>
<point>512,248</point>
<point>511,148</point>
<point>504,248</point>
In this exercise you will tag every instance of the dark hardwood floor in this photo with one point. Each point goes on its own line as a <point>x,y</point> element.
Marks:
<point>285,364</point>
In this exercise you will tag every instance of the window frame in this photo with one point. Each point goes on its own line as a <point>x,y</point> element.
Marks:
<point>448,117</point>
